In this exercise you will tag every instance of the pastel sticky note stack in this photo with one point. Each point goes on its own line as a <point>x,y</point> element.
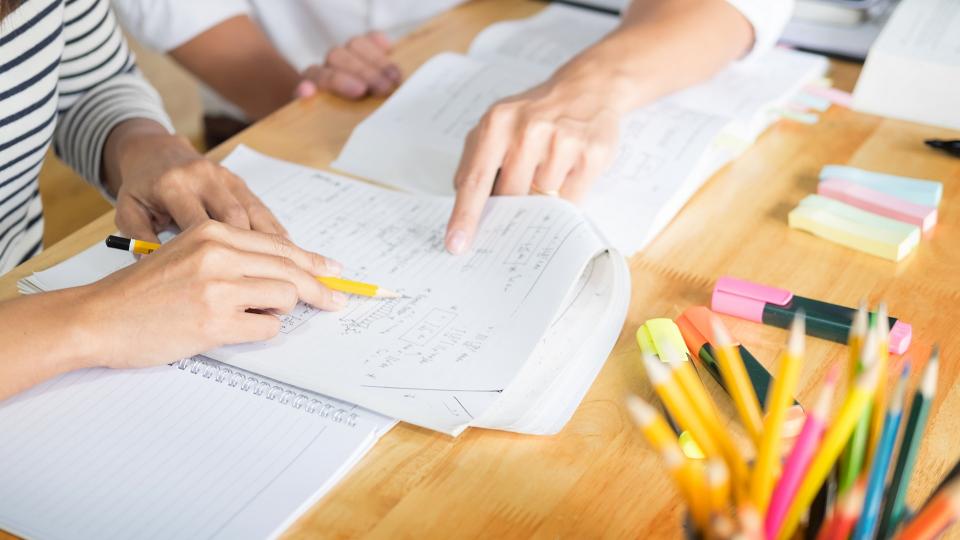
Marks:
<point>915,190</point>
<point>880,214</point>
<point>879,202</point>
<point>855,228</point>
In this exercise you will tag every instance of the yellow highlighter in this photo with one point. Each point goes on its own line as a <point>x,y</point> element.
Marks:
<point>358,288</point>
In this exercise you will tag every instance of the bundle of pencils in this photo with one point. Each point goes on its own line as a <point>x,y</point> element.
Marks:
<point>771,497</point>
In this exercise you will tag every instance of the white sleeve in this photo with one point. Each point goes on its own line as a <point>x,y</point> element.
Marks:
<point>166,24</point>
<point>768,18</point>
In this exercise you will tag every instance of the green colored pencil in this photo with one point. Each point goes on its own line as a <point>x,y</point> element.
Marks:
<point>893,511</point>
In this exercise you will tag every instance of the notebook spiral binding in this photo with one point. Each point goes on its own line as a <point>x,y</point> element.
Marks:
<point>268,388</point>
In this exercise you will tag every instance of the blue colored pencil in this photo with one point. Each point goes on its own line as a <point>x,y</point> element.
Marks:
<point>867,525</point>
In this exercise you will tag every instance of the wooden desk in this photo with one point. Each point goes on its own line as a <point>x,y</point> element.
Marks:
<point>598,477</point>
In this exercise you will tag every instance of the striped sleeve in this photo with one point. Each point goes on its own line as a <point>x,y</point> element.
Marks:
<point>99,87</point>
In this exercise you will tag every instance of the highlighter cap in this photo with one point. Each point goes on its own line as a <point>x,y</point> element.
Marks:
<point>656,334</point>
<point>900,337</point>
<point>745,299</point>
<point>696,326</point>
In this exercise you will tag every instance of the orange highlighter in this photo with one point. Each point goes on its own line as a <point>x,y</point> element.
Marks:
<point>697,331</point>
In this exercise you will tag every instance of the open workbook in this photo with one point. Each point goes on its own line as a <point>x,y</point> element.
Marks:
<point>667,149</point>
<point>509,336</point>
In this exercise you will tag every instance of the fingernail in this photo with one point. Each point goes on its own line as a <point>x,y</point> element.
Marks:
<point>393,73</point>
<point>356,88</point>
<point>306,89</point>
<point>338,299</point>
<point>456,242</point>
<point>334,267</point>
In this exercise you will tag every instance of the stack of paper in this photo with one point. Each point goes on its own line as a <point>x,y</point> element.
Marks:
<point>197,449</point>
<point>876,213</point>
<point>508,337</point>
<point>913,69</point>
<point>667,149</point>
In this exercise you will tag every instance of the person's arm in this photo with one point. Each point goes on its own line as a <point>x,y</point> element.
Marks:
<point>113,130</point>
<point>559,136</point>
<point>192,295</point>
<point>239,62</point>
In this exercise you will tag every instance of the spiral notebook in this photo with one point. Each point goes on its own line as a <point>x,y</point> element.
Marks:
<point>196,449</point>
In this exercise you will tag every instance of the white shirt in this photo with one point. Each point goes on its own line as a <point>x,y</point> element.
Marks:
<point>304,30</point>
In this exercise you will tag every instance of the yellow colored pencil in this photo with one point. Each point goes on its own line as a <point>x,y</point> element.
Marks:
<point>688,380</point>
<point>358,288</point>
<point>879,412</point>
<point>696,477</point>
<point>654,426</point>
<point>780,399</point>
<point>738,383</point>
<point>142,247</point>
<point>718,486</point>
<point>676,402</point>
<point>840,429</point>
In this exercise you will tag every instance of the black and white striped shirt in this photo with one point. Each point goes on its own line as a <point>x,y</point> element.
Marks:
<point>66,77</point>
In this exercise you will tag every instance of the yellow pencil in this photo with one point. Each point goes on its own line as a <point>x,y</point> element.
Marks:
<point>780,399</point>
<point>676,402</point>
<point>840,429</point>
<point>879,412</point>
<point>735,376</point>
<point>688,380</point>
<point>358,288</point>
<point>699,502</point>
<point>655,428</point>
<point>718,485</point>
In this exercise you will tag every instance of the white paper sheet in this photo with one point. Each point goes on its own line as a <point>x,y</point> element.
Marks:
<point>439,356</point>
<point>666,151</point>
<point>170,453</point>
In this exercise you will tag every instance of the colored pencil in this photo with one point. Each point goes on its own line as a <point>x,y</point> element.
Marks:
<point>800,456</point>
<point>878,415</point>
<point>846,513</point>
<point>838,433</point>
<point>856,449</point>
<point>867,525</point>
<point>779,400</point>
<point>910,446</point>
<point>738,383</point>
<point>688,380</point>
<point>718,484</point>
<point>936,516</point>
<point>654,426</point>
<point>858,332</point>
<point>676,402</point>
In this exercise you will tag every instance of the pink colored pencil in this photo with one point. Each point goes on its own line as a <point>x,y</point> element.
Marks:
<point>800,456</point>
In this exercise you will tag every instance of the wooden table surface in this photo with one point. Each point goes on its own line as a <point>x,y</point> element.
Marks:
<point>598,477</point>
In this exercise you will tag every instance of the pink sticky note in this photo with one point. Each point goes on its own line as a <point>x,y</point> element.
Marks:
<point>878,202</point>
<point>839,97</point>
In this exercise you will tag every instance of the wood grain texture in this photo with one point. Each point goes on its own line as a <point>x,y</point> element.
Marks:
<point>598,478</point>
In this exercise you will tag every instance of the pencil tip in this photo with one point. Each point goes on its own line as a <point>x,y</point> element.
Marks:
<point>720,332</point>
<point>928,386</point>
<point>640,410</point>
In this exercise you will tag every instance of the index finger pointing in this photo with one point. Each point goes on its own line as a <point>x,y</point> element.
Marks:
<point>478,169</point>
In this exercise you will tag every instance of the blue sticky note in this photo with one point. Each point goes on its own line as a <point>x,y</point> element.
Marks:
<point>915,190</point>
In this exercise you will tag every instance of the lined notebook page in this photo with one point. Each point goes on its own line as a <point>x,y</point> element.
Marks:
<point>167,453</point>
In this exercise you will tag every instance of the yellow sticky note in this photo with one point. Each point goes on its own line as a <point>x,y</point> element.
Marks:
<point>855,228</point>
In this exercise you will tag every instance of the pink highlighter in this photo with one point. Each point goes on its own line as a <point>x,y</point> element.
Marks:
<point>776,307</point>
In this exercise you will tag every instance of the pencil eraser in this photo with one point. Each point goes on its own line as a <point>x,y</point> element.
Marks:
<point>879,203</point>
<point>900,336</point>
